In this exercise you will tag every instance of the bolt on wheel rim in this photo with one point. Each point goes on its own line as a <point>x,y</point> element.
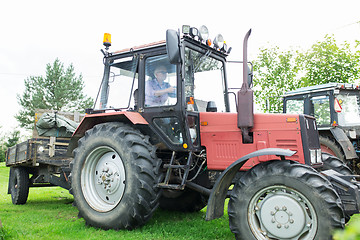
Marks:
<point>281,212</point>
<point>103,179</point>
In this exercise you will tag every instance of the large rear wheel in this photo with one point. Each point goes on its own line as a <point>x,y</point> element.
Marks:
<point>114,177</point>
<point>284,200</point>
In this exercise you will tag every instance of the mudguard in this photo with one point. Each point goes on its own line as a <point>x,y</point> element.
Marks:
<point>344,142</point>
<point>91,120</point>
<point>215,207</point>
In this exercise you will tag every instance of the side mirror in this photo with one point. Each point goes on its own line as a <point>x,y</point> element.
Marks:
<point>172,46</point>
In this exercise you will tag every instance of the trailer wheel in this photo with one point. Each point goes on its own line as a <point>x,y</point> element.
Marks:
<point>114,177</point>
<point>19,185</point>
<point>284,200</point>
<point>187,200</point>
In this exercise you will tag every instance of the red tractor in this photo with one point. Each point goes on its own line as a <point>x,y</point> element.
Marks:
<point>162,134</point>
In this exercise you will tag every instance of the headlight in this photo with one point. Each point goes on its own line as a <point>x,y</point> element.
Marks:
<point>315,156</point>
<point>318,156</point>
<point>219,41</point>
<point>186,29</point>
<point>194,32</point>
<point>203,33</point>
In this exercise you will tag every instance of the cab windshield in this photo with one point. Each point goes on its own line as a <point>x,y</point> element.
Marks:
<point>119,85</point>
<point>203,81</point>
<point>349,114</point>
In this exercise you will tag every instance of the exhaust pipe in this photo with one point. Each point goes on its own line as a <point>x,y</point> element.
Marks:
<point>245,96</point>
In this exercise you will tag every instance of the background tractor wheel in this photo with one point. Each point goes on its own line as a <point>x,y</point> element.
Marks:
<point>284,200</point>
<point>329,146</point>
<point>114,177</point>
<point>187,200</point>
<point>19,185</point>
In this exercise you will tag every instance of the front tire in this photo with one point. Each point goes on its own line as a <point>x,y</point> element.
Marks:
<point>114,177</point>
<point>284,200</point>
<point>331,162</point>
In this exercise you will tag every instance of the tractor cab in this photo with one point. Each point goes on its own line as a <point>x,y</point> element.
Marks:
<point>168,95</point>
<point>333,104</point>
<point>336,107</point>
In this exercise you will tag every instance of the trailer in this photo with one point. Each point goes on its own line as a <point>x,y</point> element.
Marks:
<point>41,161</point>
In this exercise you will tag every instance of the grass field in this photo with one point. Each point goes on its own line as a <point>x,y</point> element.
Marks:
<point>49,214</point>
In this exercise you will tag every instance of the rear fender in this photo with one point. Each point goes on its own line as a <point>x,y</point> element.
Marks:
<point>90,120</point>
<point>215,208</point>
<point>344,142</point>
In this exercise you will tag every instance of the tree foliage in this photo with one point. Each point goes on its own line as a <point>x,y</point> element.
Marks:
<point>276,72</point>
<point>6,142</point>
<point>60,89</point>
<point>327,62</point>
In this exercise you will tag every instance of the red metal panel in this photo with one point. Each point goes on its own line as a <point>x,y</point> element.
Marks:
<point>223,140</point>
<point>91,120</point>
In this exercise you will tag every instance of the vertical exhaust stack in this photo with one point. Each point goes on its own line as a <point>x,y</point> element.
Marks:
<point>245,97</point>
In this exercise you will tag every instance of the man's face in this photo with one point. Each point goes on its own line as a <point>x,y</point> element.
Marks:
<point>160,73</point>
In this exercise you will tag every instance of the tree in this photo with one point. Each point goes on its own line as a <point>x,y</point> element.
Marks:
<point>5,143</point>
<point>327,62</point>
<point>59,90</point>
<point>275,73</point>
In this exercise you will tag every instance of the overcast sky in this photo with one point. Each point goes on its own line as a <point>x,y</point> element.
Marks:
<point>34,33</point>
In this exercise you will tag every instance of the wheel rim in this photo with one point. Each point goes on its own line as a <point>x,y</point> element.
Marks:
<point>103,179</point>
<point>281,212</point>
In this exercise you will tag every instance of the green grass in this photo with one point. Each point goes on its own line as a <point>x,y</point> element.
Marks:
<point>49,214</point>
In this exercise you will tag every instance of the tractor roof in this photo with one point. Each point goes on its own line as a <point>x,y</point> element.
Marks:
<point>141,47</point>
<point>322,87</point>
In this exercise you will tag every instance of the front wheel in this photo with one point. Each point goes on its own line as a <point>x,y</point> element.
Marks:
<point>114,177</point>
<point>331,162</point>
<point>284,200</point>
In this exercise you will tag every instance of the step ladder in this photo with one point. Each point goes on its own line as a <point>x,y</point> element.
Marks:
<point>172,166</point>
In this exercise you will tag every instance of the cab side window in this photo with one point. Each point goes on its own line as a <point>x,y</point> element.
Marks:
<point>160,82</point>
<point>321,109</point>
<point>295,106</point>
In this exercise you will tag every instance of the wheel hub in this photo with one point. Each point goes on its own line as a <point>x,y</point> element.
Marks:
<point>283,215</point>
<point>103,179</point>
<point>109,178</point>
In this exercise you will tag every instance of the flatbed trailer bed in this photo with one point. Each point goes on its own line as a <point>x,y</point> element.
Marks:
<point>44,159</point>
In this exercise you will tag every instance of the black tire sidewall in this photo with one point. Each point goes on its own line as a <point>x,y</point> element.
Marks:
<point>19,177</point>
